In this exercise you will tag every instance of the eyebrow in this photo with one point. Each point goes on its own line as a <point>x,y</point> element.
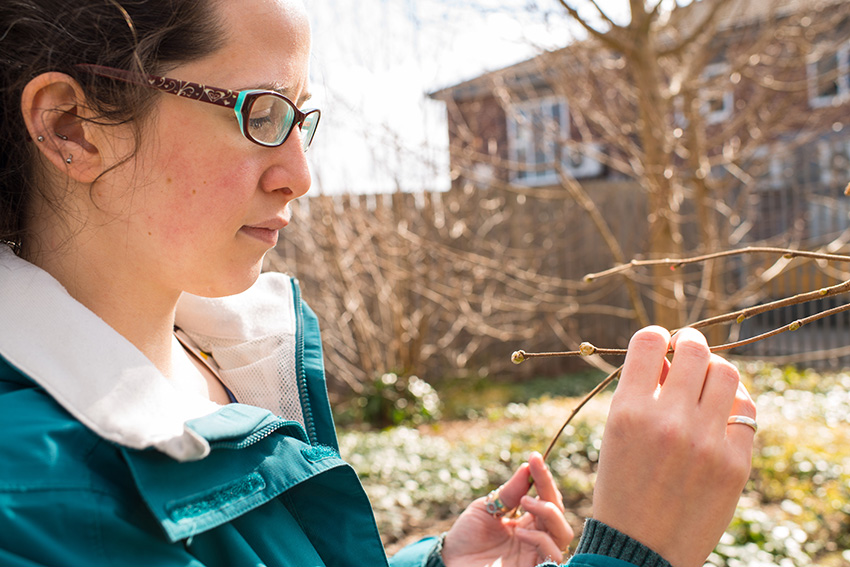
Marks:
<point>276,87</point>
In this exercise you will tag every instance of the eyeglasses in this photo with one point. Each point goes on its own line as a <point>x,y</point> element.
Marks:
<point>265,117</point>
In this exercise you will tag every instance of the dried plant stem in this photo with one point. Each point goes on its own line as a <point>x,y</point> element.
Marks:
<point>587,349</point>
<point>677,262</point>
<point>741,315</point>
<point>601,386</point>
<point>789,327</point>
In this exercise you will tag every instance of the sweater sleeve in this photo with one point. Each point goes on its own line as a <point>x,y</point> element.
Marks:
<point>603,546</point>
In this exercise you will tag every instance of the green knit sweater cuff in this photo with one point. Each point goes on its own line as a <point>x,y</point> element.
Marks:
<point>601,539</point>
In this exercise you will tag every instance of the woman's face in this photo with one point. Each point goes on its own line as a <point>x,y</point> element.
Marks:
<point>199,206</point>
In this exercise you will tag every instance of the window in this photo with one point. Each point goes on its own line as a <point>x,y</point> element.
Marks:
<point>827,217</point>
<point>828,77</point>
<point>717,97</point>
<point>537,130</point>
<point>833,162</point>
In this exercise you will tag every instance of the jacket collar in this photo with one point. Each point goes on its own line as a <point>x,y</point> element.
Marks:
<point>98,376</point>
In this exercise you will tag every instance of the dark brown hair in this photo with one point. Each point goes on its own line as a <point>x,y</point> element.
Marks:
<point>38,36</point>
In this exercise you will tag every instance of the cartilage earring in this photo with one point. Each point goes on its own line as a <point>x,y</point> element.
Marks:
<point>40,138</point>
<point>69,160</point>
<point>62,136</point>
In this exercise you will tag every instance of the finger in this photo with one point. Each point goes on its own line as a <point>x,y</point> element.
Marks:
<point>550,519</point>
<point>718,393</point>
<point>686,377</point>
<point>547,549</point>
<point>544,481</point>
<point>741,435</point>
<point>645,360</point>
<point>665,370</point>
<point>515,488</point>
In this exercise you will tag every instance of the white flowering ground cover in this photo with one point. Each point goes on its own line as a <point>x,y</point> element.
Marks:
<point>795,511</point>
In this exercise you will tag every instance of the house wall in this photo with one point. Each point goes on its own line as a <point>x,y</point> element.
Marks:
<point>794,205</point>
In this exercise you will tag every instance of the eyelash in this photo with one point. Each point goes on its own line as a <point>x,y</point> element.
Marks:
<point>259,122</point>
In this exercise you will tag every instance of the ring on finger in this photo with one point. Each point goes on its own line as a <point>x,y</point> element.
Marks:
<point>494,505</point>
<point>744,420</point>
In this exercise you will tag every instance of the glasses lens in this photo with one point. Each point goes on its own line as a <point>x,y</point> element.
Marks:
<point>308,128</point>
<point>270,119</point>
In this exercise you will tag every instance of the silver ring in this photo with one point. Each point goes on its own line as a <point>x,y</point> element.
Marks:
<point>743,419</point>
<point>494,505</point>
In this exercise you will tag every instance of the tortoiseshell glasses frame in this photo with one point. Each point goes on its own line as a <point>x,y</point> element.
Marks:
<point>265,117</point>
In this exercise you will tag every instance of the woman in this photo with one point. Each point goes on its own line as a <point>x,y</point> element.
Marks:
<point>134,317</point>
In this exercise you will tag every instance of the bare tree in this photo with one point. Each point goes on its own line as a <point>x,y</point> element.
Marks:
<point>682,115</point>
<point>696,105</point>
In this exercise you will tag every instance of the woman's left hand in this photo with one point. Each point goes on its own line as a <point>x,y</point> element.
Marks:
<point>541,533</point>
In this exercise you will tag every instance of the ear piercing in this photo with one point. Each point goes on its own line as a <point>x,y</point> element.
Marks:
<point>70,157</point>
<point>58,135</point>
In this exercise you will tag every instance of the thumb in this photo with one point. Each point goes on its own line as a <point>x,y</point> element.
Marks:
<point>515,488</point>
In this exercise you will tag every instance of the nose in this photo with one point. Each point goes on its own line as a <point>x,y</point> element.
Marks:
<point>288,170</point>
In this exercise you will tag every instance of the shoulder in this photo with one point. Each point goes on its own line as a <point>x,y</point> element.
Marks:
<point>66,495</point>
<point>43,447</point>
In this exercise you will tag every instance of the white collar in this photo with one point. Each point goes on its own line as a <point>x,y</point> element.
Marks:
<point>96,374</point>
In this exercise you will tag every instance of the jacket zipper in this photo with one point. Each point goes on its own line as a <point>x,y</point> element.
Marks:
<point>299,363</point>
<point>256,436</point>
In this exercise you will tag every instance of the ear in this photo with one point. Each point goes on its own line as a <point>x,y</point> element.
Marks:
<point>53,105</point>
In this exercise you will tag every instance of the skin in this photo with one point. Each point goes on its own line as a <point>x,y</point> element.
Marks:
<point>686,466</point>
<point>199,205</point>
<point>195,210</point>
<point>539,534</point>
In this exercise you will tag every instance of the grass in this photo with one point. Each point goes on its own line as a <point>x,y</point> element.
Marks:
<point>795,510</point>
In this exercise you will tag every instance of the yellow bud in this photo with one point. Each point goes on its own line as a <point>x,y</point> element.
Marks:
<point>741,318</point>
<point>794,326</point>
<point>586,349</point>
<point>518,357</point>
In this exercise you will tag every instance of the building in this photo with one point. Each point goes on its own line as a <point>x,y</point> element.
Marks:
<point>720,125</point>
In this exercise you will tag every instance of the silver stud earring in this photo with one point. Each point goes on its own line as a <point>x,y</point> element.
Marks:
<point>40,138</point>
<point>62,136</point>
<point>69,160</point>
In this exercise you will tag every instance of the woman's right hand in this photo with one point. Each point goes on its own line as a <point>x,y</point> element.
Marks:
<point>670,469</point>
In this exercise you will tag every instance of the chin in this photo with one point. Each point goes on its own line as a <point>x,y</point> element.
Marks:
<point>231,284</point>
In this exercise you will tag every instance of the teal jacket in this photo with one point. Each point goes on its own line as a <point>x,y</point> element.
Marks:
<point>104,462</point>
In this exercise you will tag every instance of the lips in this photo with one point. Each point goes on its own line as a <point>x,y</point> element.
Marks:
<point>266,231</point>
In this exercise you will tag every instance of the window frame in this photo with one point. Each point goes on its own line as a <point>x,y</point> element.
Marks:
<point>842,80</point>
<point>530,172</point>
<point>711,73</point>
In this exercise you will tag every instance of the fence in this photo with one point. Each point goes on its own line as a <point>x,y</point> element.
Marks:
<point>451,283</point>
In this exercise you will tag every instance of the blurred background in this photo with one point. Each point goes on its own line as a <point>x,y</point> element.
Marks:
<point>480,160</point>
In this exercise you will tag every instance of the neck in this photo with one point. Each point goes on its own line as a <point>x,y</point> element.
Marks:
<point>129,302</point>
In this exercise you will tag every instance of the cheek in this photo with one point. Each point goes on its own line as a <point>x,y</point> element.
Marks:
<point>198,177</point>
<point>203,196</point>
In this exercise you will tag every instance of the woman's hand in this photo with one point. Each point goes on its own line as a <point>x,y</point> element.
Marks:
<point>479,538</point>
<point>671,469</point>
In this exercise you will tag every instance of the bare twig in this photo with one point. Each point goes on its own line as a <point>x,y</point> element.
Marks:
<point>587,349</point>
<point>678,262</point>
<point>601,386</point>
